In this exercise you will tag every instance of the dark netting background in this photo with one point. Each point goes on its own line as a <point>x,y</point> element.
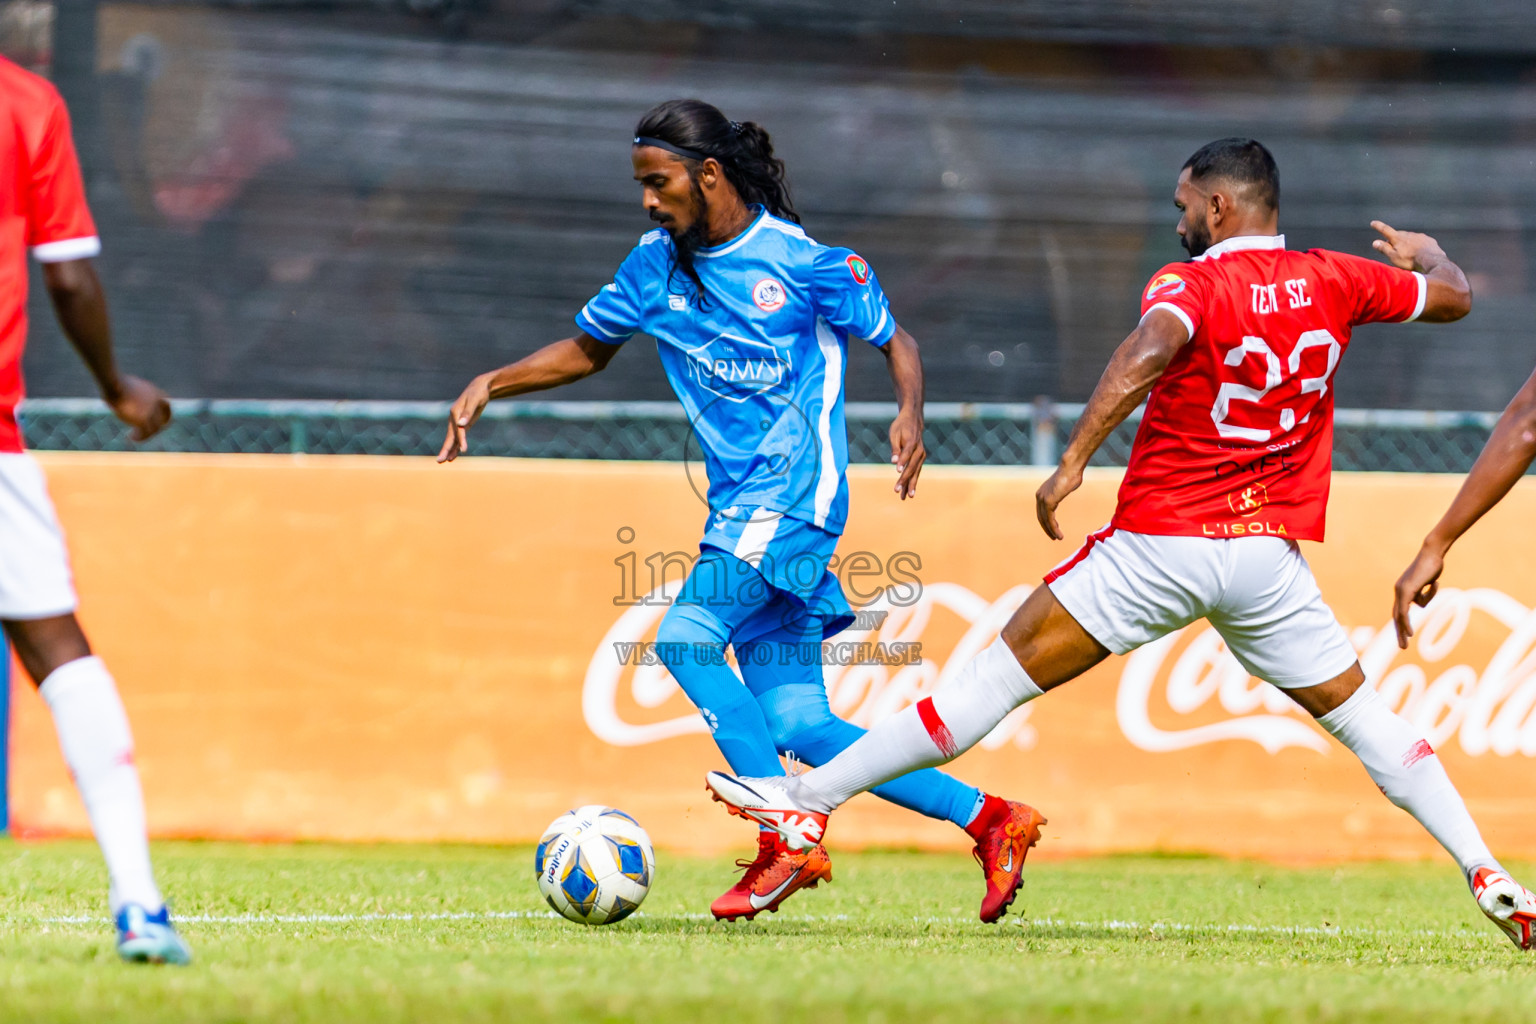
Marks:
<point>374,200</point>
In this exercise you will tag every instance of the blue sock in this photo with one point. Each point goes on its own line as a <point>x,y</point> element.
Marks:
<point>802,723</point>
<point>690,642</point>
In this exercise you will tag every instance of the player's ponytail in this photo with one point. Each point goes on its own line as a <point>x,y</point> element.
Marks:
<point>758,175</point>
<point>743,149</point>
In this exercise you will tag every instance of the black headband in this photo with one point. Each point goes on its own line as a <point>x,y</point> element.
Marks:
<point>691,154</point>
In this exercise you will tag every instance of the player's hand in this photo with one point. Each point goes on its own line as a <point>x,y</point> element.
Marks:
<point>1416,586</point>
<point>907,451</point>
<point>1051,494</point>
<point>142,406</point>
<point>463,416</point>
<point>1406,250</point>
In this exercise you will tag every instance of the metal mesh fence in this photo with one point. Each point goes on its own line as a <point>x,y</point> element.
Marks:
<point>957,434</point>
<point>319,200</point>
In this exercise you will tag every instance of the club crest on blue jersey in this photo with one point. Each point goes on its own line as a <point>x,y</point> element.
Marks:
<point>769,295</point>
<point>737,368</point>
<point>859,269</point>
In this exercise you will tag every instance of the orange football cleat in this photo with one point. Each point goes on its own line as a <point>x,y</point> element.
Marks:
<point>1004,831</point>
<point>776,875</point>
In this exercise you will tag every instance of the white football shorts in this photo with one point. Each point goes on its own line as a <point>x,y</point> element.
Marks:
<point>35,581</point>
<point>1128,589</point>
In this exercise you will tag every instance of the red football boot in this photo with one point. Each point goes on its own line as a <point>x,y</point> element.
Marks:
<point>1004,831</point>
<point>1507,903</point>
<point>776,875</point>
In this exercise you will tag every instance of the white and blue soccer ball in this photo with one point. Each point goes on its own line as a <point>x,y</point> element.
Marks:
<point>595,864</point>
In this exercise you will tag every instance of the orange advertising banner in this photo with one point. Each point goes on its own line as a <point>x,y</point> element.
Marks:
<point>383,648</point>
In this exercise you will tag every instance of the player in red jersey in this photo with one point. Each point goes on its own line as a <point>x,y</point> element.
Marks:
<point>1235,354</point>
<point>42,208</point>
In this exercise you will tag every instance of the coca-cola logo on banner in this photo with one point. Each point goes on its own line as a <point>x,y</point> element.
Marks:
<point>1182,691</point>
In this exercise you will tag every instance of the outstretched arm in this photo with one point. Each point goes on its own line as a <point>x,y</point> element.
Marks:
<point>1135,367</point>
<point>81,308</point>
<point>907,452</point>
<point>1449,297</point>
<point>1504,459</point>
<point>562,362</point>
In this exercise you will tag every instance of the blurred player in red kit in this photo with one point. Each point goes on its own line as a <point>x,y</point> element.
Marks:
<point>1503,461</point>
<point>1235,354</point>
<point>43,209</point>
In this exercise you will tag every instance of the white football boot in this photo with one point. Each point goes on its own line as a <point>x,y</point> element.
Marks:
<point>777,803</point>
<point>1507,903</point>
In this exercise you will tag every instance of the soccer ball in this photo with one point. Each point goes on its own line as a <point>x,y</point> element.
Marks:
<point>595,864</point>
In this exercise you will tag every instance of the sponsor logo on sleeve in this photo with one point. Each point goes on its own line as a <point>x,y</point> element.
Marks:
<point>769,295</point>
<point>1165,286</point>
<point>859,269</point>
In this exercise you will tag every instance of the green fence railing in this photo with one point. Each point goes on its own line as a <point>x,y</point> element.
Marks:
<point>957,433</point>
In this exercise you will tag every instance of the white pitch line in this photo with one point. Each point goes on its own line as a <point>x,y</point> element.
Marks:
<point>1330,931</point>
<point>470,915</point>
<point>1326,931</point>
<point>474,915</point>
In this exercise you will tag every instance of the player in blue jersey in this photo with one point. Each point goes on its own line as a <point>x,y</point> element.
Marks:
<point>752,319</point>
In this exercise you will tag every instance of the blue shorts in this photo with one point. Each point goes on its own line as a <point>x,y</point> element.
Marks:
<point>790,587</point>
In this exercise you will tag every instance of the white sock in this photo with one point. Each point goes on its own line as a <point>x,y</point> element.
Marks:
<point>935,730</point>
<point>1404,767</point>
<point>98,747</point>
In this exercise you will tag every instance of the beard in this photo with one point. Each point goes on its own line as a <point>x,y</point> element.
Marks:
<point>690,240</point>
<point>1196,238</point>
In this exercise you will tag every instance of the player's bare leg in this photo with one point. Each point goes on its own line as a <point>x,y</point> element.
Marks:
<point>43,645</point>
<point>1041,647</point>
<point>1049,644</point>
<point>98,747</point>
<point>1408,772</point>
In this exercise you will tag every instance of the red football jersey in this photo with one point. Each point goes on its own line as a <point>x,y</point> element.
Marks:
<point>1237,437</point>
<point>42,208</point>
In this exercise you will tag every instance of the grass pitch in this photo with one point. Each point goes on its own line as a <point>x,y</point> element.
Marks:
<point>413,933</point>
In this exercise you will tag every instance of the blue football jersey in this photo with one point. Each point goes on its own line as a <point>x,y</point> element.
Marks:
<point>758,363</point>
